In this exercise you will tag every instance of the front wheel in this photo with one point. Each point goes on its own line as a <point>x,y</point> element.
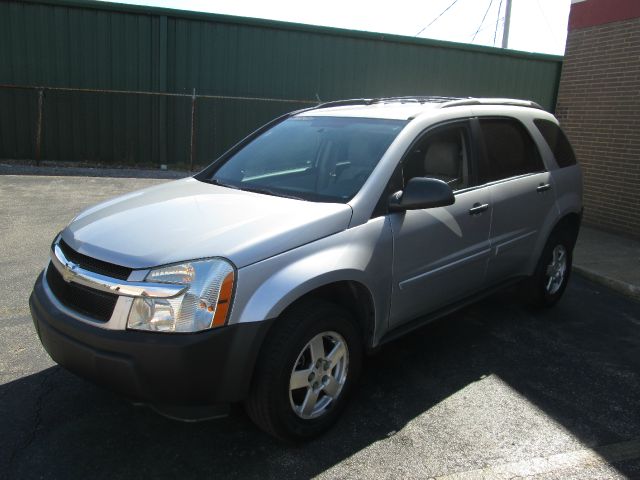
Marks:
<point>551,276</point>
<point>306,371</point>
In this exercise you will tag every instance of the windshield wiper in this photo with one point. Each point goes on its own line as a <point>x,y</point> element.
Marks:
<point>215,181</point>
<point>266,191</point>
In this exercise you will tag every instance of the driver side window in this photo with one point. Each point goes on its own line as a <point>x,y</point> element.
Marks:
<point>443,154</point>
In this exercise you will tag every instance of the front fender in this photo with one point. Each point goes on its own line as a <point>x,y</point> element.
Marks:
<point>362,254</point>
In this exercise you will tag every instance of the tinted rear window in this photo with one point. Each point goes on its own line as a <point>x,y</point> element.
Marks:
<point>510,150</point>
<point>557,141</point>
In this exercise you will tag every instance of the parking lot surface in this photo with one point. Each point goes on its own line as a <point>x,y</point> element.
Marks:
<point>493,391</point>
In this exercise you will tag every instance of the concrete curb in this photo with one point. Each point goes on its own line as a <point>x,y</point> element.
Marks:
<point>627,289</point>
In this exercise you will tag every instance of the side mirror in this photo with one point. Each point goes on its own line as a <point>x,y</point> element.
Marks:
<point>422,193</point>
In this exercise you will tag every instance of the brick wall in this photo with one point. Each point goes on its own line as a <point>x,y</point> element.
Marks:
<point>599,108</point>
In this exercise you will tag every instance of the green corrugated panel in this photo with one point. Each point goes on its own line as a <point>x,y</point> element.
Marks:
<point>95,45</point>
<point>17,123</point>
<point>119,129</point>
<point>223,122</point>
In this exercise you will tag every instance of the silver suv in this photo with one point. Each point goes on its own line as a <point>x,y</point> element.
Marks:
<point>322,235</point>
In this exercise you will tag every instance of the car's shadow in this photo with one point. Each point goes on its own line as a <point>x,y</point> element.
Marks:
<point>578,363</point>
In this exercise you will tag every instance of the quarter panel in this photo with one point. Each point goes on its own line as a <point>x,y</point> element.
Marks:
<point>567,184</point>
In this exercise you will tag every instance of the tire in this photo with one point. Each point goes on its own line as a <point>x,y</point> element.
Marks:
<point>549,281</point>
<point>287,359</point>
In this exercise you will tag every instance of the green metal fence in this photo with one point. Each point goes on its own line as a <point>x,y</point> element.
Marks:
<point>114,84</point>
<point>110,127</point>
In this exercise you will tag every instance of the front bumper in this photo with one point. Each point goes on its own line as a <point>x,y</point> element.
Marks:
<point>175,369</point>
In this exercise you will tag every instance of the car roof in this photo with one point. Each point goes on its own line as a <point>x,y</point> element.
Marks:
<point>405,108</point>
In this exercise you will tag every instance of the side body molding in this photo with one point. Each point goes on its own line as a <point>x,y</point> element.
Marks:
<point>362,254</point>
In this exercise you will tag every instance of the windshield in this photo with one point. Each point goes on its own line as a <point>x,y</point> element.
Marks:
<point>324,159</point>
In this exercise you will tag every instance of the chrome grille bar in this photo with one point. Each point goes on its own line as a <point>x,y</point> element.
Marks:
<point>72,272</point>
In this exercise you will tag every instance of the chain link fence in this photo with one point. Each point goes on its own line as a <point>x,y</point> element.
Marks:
<point>128,128</point>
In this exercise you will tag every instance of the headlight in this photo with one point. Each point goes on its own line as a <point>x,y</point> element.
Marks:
<point>204,305</point>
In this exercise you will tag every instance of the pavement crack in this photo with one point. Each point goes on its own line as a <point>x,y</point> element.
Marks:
<point>46,387</point>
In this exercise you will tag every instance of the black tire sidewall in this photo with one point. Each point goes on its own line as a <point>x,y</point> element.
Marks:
<point>324,317</point>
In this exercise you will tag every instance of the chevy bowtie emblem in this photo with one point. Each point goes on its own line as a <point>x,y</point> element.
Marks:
<point>69,271</point>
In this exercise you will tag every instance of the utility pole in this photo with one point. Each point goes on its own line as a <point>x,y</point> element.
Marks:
<point>507,21</point>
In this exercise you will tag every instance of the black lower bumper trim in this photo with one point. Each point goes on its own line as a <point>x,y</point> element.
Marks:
<point>173,369</point>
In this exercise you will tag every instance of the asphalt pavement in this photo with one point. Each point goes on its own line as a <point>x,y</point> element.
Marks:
<point>493,391</point>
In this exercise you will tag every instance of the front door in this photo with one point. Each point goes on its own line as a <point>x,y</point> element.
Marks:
<point>440,254</point>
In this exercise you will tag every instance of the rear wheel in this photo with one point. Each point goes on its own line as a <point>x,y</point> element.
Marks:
<point>551,276</point>
<point>306,371</point>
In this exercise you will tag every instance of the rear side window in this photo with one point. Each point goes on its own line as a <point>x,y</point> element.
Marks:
<point>557,141</point>
<point>510,150</point>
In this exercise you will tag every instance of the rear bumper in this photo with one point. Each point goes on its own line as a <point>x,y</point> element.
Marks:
<point>175,369</point>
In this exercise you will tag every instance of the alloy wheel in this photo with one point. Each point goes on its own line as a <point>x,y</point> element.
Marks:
<point>318,375</point>
<point>556,270</point>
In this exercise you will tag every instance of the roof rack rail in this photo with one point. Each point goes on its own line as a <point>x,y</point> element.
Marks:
<point>492,101</point>
<point>416,99</point>
<point>371,101</point>
<point>344,103</point>
<point>443,101</point>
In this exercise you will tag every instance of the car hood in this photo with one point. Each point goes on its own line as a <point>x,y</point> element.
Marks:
<point>188,219</point>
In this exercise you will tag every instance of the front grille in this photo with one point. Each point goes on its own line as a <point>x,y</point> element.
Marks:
<point>94,265</point>
<point>93,303</point>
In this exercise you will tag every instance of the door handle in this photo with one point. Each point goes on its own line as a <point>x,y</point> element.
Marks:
<point>543,187</point>
<point>478,208</point>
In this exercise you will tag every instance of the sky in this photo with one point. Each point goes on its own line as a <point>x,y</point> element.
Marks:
<point>536,25</point>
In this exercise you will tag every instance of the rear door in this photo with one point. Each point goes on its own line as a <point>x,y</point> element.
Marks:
<point>440,254</point>
<point>521,194</point>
